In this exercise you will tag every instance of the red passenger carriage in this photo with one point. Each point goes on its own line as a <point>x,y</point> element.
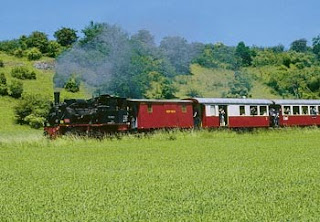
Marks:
<point>298,112</point>
<point>145,114</point>
<point>232,113</point>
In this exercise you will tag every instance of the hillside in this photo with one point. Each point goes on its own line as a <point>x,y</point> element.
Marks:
<point>215,83</point>
<point>43,85</point>
<point>202,82</point>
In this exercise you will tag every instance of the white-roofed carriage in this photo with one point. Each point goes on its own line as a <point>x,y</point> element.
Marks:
<point>232,113</point>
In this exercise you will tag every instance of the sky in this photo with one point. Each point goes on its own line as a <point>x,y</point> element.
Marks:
<point>256,22</point>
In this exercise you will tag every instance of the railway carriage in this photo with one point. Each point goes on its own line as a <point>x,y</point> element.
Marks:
<point>233,113</point>
<point>298,112</point>
<point>146,114</point>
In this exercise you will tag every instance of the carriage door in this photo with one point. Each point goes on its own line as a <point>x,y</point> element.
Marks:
<point>223,115</point>
<point>197,115</point>
<point>274,115</point>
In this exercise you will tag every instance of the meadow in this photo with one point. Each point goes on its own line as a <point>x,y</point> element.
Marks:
<point>264,175</point>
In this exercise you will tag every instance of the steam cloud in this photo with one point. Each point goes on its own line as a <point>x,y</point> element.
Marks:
<point>106,59</point>
<point>96,61</point>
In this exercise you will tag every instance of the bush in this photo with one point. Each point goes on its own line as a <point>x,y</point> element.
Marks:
<point>9,46</point>
<point>3,85</point>
<point>37,40</point>
<point>35,121</point>
<point>18,53</point>
<point>23,73</point>
<point>1,63</point>
<point>34,54</point>
<point>16,89</point>
<point>192,92</point>
<point>3,79</point>
<point>3,90</point>
<point>32,110</point>
<point>54,49</point>
<point>72,85</point>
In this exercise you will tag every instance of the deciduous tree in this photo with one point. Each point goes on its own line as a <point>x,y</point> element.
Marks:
<point>66,36</point>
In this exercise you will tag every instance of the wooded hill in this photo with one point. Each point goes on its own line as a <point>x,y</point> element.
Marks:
<point>109,60</point>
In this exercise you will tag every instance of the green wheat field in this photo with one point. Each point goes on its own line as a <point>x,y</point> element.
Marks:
<point>264,175</point>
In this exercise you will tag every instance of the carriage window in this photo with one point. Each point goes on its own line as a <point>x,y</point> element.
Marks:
<point>212,110</point>
<point>305,110</point>
<point>296,110</point>
<point>313,110</point>
<point>286,110</point>
<point>318,110</point>
<point>242,111</point>
<point>149,108</point>
<point>183,108</point>
<point>263,110</point>
<point>253,110</point>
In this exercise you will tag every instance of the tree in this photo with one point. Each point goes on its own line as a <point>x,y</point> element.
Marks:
<point>3,85</point>
<point>1,63</point>
<point>3,79</point>
<point>22,72</point>
<point>92,31</point>
<point>277,49</point>
<point>144,37</point>
<point>179,53</point>
<point>66,36</point>
<point>54,49</point>
<point>72,85</point>
<point>299,45</point>
<point>32,110</point>
<point>316,46</point>
<point>39,40</point>
<point>241,85</point>
<point>243,52</point>
<point>16,89</point>
<point>23,42</point>
<point>217,55</point>
<point>33,54</point>
<point>9,46</point>
<point>159,87</point>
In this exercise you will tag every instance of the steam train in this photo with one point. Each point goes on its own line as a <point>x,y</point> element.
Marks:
<point>107,114</point>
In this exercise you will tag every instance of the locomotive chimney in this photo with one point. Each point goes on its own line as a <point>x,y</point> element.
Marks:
<point>56,98</point>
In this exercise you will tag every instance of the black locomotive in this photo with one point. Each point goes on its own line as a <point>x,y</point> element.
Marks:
<point>98,115</point>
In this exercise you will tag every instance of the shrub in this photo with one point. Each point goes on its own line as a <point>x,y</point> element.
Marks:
<point>3,79</point>
<point>1,63</point>
<point>23,73</point>
<point>34,54</point>
<point>3,85</point>
<point>18,53</point>
<point>54,49</point>
<point>192,92</point>
<point>16,89</point>
<point>72,85</point>
<point>3,90</point>
<point>32,110</point>
<point>35,121</point>
<point>38,40</point>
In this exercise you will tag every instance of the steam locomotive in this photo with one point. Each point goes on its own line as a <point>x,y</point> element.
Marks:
<point>107,114</point>
<point>95,116</point>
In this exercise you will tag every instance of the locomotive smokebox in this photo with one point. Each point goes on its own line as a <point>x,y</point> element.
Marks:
<point>56,98</point>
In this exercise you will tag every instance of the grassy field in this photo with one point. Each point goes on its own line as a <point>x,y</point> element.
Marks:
<point>179,176</point>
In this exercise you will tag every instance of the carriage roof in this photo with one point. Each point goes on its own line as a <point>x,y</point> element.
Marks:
<point>296,102</point>
<point>228,101</point>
